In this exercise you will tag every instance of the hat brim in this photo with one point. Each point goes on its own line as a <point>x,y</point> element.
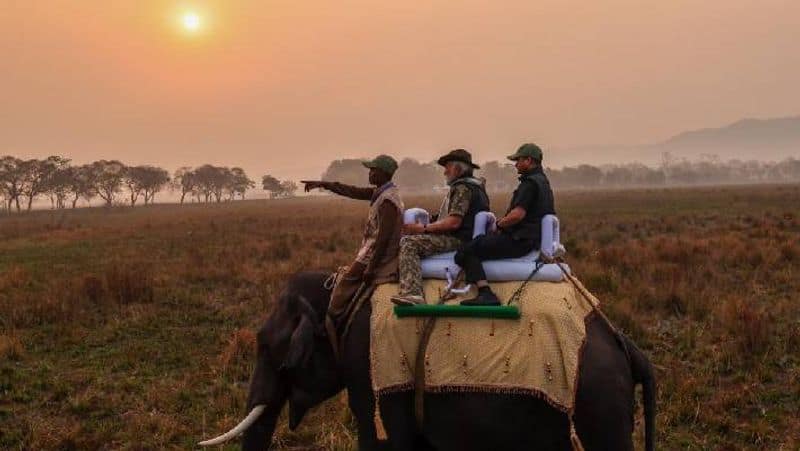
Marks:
<point>443,161</point>
<point>517,156</point>
<point>372,165</point>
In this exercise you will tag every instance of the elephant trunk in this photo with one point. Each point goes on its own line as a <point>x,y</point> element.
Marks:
<point>258,437</point>
<point>267,397</point>
<point>266,388</point>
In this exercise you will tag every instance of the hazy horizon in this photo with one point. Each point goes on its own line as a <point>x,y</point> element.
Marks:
<point>285,87</point>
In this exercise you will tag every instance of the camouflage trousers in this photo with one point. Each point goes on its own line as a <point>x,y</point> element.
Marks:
<point>412,249</point>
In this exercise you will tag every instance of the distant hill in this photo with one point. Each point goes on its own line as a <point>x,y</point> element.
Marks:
<point>760,139</point>
<point>747,139</point>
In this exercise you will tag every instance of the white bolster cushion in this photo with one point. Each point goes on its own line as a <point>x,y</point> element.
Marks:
<point>508,269</point>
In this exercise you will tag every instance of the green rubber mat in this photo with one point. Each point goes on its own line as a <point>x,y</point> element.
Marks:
<point>498,312</point>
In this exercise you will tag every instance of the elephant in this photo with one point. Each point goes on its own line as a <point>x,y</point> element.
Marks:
<point>296,364</point>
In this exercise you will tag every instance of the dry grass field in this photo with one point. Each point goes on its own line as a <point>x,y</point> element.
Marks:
<point>134,328</point>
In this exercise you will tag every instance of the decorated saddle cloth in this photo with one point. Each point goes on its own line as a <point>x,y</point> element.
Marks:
<point>537,354</point>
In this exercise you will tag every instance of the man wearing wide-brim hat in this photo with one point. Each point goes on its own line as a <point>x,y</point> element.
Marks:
<point>376,261</point>
<point>453,227</point>
<point>519,231</point>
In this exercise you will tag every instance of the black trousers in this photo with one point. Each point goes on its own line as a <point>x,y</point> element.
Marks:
<point>489,247</point>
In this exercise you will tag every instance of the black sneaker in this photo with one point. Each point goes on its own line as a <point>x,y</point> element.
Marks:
<point>485,298</point>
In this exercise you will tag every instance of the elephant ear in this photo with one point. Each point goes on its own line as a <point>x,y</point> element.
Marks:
<point>305,381</point>
<point>301,345</point>
<point>297,361</point>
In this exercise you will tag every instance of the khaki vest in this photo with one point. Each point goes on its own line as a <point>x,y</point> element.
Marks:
<point>386,269</point>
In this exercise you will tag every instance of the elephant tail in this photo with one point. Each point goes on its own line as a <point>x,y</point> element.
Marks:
<point>643,374</point>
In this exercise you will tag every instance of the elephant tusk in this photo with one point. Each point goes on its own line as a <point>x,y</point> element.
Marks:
<point>238,429</point>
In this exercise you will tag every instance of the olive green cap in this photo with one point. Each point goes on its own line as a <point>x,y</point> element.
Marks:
<point>385,163</point>
<point>527,150</point>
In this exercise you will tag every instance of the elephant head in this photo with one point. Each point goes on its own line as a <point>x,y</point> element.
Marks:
<point>295,364</point>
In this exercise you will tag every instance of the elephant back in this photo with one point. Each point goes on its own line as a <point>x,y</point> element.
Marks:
<point>537,354</point>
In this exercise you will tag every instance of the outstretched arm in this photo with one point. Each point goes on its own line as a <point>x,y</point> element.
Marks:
<point>353,192</point>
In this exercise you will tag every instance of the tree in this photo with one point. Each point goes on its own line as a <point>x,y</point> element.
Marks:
<point>204,181</point>
<point>271,185</point>
<point>288,188</point>
<point>239,183</point>
<point>144,180</point>
<point>133,178</point>
<point>154,180</point>
<point>4,206</point>
<point>277,188</point>
<point>36,175</point>
<point>58,186</point>
<point>413,175</point>
<point>212,180</point>
<point>11,180</point>
<point>618,176</point>
<point>499,177</point>
<point>107,176</point>
<point>349,171</point>
<point>789,169</point>
<point>589,175</point>
<point>81,183</point>
<point>184,180</point>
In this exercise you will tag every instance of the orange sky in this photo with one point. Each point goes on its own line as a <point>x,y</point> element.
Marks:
<point>286,86</point>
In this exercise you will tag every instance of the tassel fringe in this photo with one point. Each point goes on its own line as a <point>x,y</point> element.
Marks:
<point>380,430</point>
<point>573,437</point>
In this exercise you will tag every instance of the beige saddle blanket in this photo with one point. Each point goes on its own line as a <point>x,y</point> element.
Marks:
<point>537,354</point>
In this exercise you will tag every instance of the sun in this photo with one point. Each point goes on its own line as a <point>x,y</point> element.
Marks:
<point>191,21</point>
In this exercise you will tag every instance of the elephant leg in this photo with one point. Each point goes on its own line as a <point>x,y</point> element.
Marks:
<point>397,409</point>
<point>483,421</point>
<point>605,397</point>
<point>362,403</point>
<point>398,419</point>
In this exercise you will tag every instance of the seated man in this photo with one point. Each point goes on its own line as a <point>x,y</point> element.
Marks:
<point>376,261</point>
<point>519,231</point>
<point>467,197</point>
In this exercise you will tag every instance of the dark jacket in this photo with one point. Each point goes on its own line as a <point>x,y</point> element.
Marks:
<point>535,196</point>
<point>478,202</point>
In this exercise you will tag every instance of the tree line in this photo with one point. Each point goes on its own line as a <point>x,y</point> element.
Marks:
<point>55,178</point>
<point>413,175</point>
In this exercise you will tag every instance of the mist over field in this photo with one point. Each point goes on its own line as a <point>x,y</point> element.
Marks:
<point>33,182</point>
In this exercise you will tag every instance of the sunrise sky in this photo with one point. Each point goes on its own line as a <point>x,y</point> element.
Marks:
<point>283,87</point>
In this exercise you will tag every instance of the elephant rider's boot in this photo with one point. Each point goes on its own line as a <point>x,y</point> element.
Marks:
<point>407,300</point>
<point>485,297</point>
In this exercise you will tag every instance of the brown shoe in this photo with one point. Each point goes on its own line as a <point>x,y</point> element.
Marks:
<point>407,300</point>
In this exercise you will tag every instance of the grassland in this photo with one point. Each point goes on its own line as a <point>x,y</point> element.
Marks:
<point>134,328</point>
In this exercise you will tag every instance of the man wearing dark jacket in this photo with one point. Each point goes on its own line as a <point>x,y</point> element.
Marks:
<point>519,231</point>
